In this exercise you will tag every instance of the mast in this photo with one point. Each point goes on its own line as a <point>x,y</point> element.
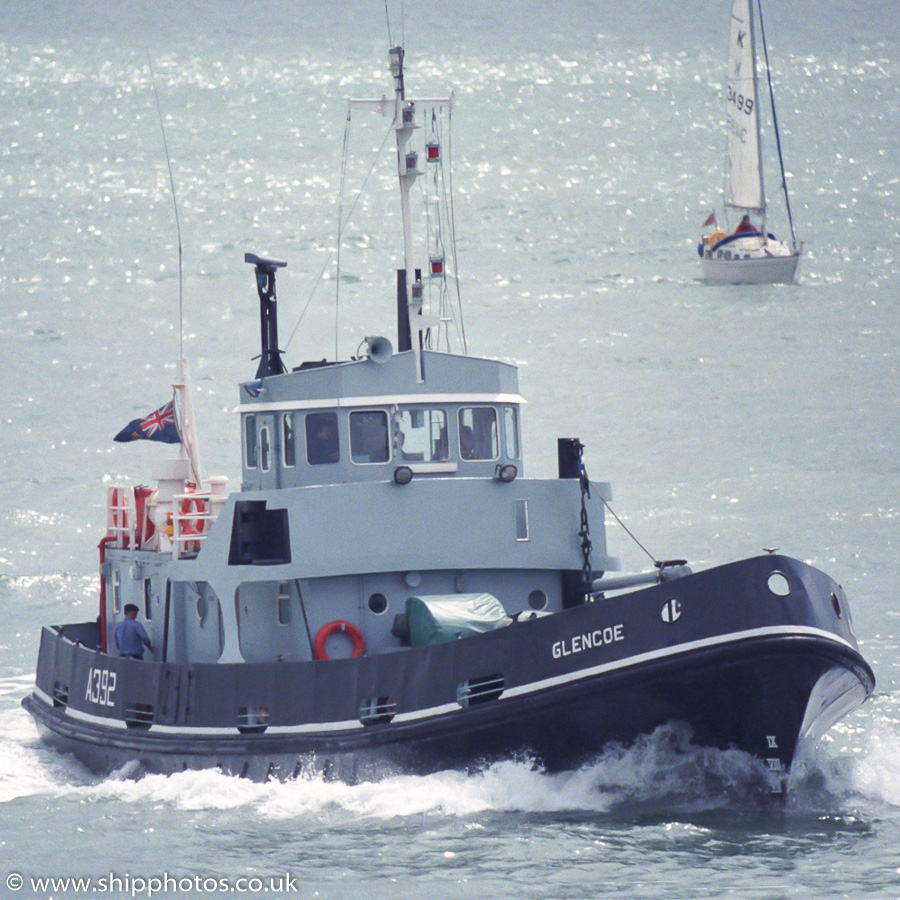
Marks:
<point>407,162</point>
<point>759,150</point>
<point>409,282</point>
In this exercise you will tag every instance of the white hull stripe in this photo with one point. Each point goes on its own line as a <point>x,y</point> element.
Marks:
<point>689,647</point>
<point>524,690</point>
<point>95,720</point>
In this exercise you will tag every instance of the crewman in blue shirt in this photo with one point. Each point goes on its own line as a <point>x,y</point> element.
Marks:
<point>131,636</point>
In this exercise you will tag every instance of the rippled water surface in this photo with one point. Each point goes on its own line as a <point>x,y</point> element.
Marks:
<point>587,148</point>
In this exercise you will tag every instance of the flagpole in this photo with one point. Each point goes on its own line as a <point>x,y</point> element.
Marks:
<point>184,414</point>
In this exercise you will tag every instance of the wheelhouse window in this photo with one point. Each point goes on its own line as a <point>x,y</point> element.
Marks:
<point>423,435</point>
<point>322,444</point>
<point>251,454</point>
<point>511,431</point>
<point>369,436</point>
<point>478,433</point>
<point>288,441</point>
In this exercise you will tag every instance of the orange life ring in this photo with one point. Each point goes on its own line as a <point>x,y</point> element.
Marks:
<point>339,625</point>
<point>715,238</point>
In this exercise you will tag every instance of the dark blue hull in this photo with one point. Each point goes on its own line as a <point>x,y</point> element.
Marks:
<point>742,665</point>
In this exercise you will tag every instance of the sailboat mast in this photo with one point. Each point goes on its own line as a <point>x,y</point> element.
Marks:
<point>759,143</point>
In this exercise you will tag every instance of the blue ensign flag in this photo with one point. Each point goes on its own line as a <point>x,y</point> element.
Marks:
<point>158,426</point>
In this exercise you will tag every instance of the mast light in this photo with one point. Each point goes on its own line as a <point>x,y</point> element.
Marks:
<point>395,55</point>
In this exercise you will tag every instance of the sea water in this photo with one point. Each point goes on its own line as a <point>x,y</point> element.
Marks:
<point>587,148</point>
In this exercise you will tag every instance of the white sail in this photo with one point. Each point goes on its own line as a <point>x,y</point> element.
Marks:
<point>745,172</point>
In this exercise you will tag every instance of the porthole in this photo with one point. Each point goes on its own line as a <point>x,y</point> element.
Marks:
<point>378,604</point>
<point>778,584</point>
<point>537,599</point>
<point>836,604</point>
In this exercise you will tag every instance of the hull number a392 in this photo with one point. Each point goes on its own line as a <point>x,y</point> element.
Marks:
<point>597,638</point>
<point>100,686</point>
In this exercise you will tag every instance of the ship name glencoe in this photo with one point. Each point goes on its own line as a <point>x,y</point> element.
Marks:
<point>599,637</point>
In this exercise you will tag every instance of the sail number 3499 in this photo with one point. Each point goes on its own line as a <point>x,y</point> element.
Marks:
<point>743,104</point>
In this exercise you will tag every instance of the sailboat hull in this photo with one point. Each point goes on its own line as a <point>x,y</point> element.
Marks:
<point>750,260</point>
<point>775,270</point>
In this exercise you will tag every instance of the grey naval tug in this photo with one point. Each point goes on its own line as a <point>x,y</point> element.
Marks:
<point>387,592</point>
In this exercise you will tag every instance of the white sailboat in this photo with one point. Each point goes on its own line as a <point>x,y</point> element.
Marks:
<point>749,255</point>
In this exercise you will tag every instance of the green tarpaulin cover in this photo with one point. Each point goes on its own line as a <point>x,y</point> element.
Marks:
<point>446,617</point>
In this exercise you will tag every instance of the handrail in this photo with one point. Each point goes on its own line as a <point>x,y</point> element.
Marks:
<point>192,517</point>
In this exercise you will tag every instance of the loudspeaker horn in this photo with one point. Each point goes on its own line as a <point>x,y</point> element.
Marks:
<point>380,349</point>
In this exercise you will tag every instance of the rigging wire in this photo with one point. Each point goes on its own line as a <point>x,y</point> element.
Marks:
<point>629,532</point>
<point>387,17</point>
<point>462,322</point>
<point>341,225</point>
<point>787,201</point>
<point>428,187</point>
<point>402,23</point>
<point>337,280</point>
<point>440,190</point>
<point>162,128</point>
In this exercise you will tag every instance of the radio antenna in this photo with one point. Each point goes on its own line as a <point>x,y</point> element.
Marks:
<point>184,402</point>
<point>162,128</point>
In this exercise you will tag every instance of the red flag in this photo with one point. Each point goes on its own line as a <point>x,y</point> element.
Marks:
<point>711,220</point>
